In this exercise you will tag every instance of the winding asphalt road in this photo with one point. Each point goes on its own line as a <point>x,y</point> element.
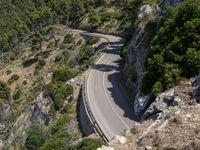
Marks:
<point>105,95</point>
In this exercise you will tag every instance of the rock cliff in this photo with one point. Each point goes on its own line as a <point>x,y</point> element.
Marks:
<point>145,27</point>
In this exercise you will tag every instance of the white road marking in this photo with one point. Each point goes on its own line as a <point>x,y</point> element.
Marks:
<point>108,97</point>
<point>90,101</point>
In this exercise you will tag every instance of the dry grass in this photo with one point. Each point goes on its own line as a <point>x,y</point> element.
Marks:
<point>183,132</point>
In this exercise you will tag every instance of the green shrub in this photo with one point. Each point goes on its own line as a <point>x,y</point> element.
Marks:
<point>85,53</point>
<point>36,138</point>
<point>64,74</point>
<point>29,62</point>
<point>105,15</point>
<point>8,72</point>
<point>68,108</point>
<point>17,95</point>
<point>63,58</point>
<point>58,58</point>
<point>41,63</point>
<point>13,78</point>
<point>88,144</point>
<point>50,45</point>
<point>62,46</point>
<point>149,2</point>
<point>68,39</point>
<point>45,54</point>
<point>58,91</point>
<point>93,40</point>
<point>60,124</point>
<point>54,144</point>
<point>126,26</point>
<point>59,142</point>
<point>157,88</point>
<point>94,19</point>
<point>1,102</point>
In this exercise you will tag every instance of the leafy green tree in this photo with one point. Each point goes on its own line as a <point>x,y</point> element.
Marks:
<point>37,40</point>
<point>4,90</point>
<point>192,60</point>
<point>87,144</point>
<point>157,88</point>
<point>58,91</point>
<point>64,74</point>
<point>36,138</point>
<point>77,11</point>
<point>61,10</point>
<point>175,50</point>
<point>94,19</point>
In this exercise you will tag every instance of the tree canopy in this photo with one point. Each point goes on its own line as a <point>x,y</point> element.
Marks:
<point>175,50</point>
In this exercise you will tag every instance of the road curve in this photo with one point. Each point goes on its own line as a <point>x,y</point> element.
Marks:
<point>107,101</point>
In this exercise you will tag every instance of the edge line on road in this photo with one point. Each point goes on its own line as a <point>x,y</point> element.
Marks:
<point>89,96</point>
<point>104,73</point>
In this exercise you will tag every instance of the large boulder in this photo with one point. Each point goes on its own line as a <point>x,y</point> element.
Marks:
<point>141,104</point>
<point>162,102</point>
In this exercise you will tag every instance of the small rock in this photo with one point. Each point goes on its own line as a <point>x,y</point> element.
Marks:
<point>145,10</point>
<point>164,125</point>
<point>188,116</point>
<point>192,102</point>
<point>176,101</point>
<point>148,148</point>
<point>121,139</point>
<point>140,104</point>
<point>177,112</point>
<point>106,148</point>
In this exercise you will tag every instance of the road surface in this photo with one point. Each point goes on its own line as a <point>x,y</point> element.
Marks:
<point>107,101</point>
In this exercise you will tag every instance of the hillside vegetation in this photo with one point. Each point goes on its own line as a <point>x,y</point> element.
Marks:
<point>30,18</point>
<point>37,104</point>
<point>175,50</point>
<point>37,94</point>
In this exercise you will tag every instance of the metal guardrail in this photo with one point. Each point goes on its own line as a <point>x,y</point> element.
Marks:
<point>90,115</point>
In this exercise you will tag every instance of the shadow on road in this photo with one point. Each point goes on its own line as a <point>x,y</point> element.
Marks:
<point>116,91</point>
<point>103,67</point>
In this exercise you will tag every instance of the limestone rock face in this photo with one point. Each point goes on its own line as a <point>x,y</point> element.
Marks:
<point>140,104</point>
<point>137,51</point>
<point>162,102</point>
<point>196,88</point>
<point>41,109</point>
<point>145,10</point>
<point>4,120</point>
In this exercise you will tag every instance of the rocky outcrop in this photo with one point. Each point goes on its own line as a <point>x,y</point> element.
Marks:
<point>4,122</point>
<point>186,94</point>
<point>137,51</point>
<point>18,132</point>
<point>41,109</point>
<point>157,109</point>
<point>4,117</point>
<point>146,25</point>
<point>196,88</point>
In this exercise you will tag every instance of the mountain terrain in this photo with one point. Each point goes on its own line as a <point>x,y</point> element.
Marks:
<point>44,63</point>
